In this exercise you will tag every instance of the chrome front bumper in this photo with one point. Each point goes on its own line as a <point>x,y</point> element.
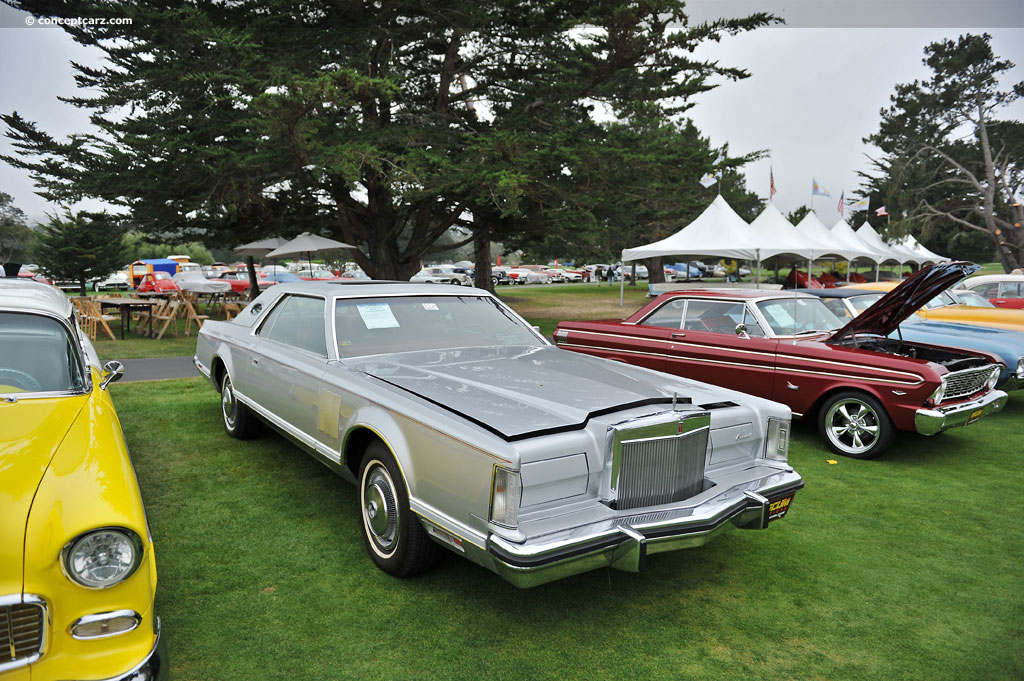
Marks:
<point>153,667</point>
<point>938,419</point>
<point>625,542</point>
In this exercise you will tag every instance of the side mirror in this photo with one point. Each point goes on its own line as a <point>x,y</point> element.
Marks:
<point>741,331</point>
<point>112,371</point>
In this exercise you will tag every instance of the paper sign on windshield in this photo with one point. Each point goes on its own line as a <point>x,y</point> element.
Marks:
<point>377,316</point>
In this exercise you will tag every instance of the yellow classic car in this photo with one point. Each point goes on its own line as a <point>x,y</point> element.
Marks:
<point>965,307</point>
<point>77,570</point>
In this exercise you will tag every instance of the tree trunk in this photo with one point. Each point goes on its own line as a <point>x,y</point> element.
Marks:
<point>655,271</point>
<point>81,286</point>
<point>482,260</point>
<point>254,286</point>
<point>632,279</point>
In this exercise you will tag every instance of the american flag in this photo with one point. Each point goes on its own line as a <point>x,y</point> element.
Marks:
<point>771,175</point>
<point>842,204</point>
<point>881,211</point>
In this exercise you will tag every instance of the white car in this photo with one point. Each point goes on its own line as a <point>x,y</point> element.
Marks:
<point>521,275</point>
<point>556,276</point>
<point>441,275</point>
<point>117,280</point>
<point>194,281</point>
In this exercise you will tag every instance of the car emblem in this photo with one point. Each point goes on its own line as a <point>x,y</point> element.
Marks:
<point>791,386</point>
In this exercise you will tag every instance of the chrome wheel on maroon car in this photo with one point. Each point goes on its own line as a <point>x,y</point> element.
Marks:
<point>855,425</point>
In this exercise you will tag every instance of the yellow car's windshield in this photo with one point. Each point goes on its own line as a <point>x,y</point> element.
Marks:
<point>37,355</point>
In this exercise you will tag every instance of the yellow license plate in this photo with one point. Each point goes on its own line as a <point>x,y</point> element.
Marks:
<point>975,415</point>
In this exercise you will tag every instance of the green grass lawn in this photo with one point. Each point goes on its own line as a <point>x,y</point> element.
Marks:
<point>907,567</point>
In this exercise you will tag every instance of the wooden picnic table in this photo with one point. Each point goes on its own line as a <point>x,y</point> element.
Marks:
<point>126,305</point>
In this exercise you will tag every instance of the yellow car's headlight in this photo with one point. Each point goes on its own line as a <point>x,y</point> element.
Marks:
<point>101,558</point>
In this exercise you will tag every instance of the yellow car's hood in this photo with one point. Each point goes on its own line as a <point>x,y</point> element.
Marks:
<point>30,432</point>
<point>998,317</point>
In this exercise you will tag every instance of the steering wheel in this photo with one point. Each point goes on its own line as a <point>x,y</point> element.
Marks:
<point>19,379</point>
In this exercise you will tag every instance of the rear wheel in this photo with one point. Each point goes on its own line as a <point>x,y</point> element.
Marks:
<point>394,536</point>
<point>239,422</point>
<point>855,424</point>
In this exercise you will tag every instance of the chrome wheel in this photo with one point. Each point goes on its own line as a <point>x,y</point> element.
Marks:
<point>228,404</point>
<point>852,426</point>
<point>380,509</point>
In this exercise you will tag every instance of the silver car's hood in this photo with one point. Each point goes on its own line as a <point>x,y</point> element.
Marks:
<point>519,392</point>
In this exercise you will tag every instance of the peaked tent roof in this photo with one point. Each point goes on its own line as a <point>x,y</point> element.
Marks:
<point>913,244</point>
<point>869,235</point>
<point>777,236</point>
<point>718,231</point>
<point>843,232</point>
<point>812,226</point>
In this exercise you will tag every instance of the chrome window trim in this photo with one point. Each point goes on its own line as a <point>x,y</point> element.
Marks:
<point>27,599</point>
<point>99,617</point>
<point>79,351</point>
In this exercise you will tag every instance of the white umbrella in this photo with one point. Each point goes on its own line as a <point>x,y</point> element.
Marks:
<point>260,248</point>
<point>307,244</point>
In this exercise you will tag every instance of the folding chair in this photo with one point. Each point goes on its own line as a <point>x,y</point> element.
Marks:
<point>100,320</point>
<point>192,316</point>
<point>167,314</point>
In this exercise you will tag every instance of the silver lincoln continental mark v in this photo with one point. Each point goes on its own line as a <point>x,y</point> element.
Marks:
<point>464,428</point>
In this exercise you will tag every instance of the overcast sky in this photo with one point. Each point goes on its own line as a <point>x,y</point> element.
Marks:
<point>814,93</point>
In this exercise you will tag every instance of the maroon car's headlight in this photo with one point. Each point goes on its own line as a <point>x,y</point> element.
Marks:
<point>994,378</point>
<point>940,392</point>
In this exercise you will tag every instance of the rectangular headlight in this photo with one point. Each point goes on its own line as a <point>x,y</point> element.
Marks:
<point>776,441</point>
<point>505,495</point>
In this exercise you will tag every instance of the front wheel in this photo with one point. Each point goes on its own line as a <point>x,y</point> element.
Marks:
<point>855,424</point>
<point>239,422</point>
<point>394,536</point>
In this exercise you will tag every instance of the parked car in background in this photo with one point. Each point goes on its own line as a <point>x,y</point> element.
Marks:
<point>1002,290</point>
<point>464,429</point>
<point>1008,346</point>
<point>555,276</point>
<point>441,275</point>
<point>858,385</point>
<point>571,276</point>
<point>159,282</point>
<point>317,275</point>
<point>962,306</point>
<point>267,279</point>
<point>239,281</point>
<point>195,282</point>
<point>524,275</point>
<point>117,280</point>
<point>32,275</point>
<point>77,572</point>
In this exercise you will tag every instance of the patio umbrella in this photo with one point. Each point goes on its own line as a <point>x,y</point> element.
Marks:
<point>257,249</point>
<point>307,244</point>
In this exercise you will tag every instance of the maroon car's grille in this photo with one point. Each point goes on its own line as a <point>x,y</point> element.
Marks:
<point>662,470</point>
<point>21,633</point>
<point>966,382</point>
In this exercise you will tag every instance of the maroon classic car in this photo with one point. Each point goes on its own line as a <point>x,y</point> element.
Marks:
<point>857,384</point>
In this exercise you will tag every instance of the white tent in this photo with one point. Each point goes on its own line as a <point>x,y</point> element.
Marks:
<point>910,243</point>
<point>778,236</point>
<point>845,234</point>
<point>816,229</point>
<point>717,231</point>
<point>868,234</point>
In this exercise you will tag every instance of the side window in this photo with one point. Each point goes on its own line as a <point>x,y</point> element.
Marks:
<point>986,290</point>
<point>713,316</point>
<point>669,315</point>
<point>837,307</point>
<point>297,321</point>
<point>1008,290</point>
<point>754,329</point>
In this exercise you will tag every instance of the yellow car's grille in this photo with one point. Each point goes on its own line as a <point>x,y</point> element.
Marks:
<point>21,634</point>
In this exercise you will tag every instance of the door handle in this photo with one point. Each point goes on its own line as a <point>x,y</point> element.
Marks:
<point>678,334</point>
<point>255,361</point>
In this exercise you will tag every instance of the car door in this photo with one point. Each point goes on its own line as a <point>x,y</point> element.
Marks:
<point>288,360</point>
<point>1011,295</point>
<point>698,339</point>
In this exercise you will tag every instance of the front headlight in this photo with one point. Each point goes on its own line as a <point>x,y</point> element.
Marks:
<point>102,558</point>
<point>776,441</point>
<point>940,392</point>
<point>506,491</point>
<point>1020,368</point>
<point>994,378</point>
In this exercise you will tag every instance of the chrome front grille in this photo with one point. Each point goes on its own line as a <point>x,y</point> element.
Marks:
<point>654,469</point>
<point>22,630</point>
<point>966,382</point>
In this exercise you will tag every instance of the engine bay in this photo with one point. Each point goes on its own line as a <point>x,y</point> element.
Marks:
<point>952,360</point>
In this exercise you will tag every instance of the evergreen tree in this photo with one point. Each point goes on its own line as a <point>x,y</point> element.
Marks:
<point>15,236</point>
<point>79,247</point>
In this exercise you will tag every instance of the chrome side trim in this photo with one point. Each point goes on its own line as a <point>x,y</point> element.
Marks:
<point>318,447</point>
<point>743,364</point>
<point>200,366</point>
<point>100,617</point>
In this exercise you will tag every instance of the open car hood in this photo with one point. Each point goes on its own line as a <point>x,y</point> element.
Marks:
<point>885,315</point>
<point>517,391</point>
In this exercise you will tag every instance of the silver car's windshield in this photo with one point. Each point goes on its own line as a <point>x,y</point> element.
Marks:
<point>37,355</point>
<point>373,326</point>
<point>795,316</point>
